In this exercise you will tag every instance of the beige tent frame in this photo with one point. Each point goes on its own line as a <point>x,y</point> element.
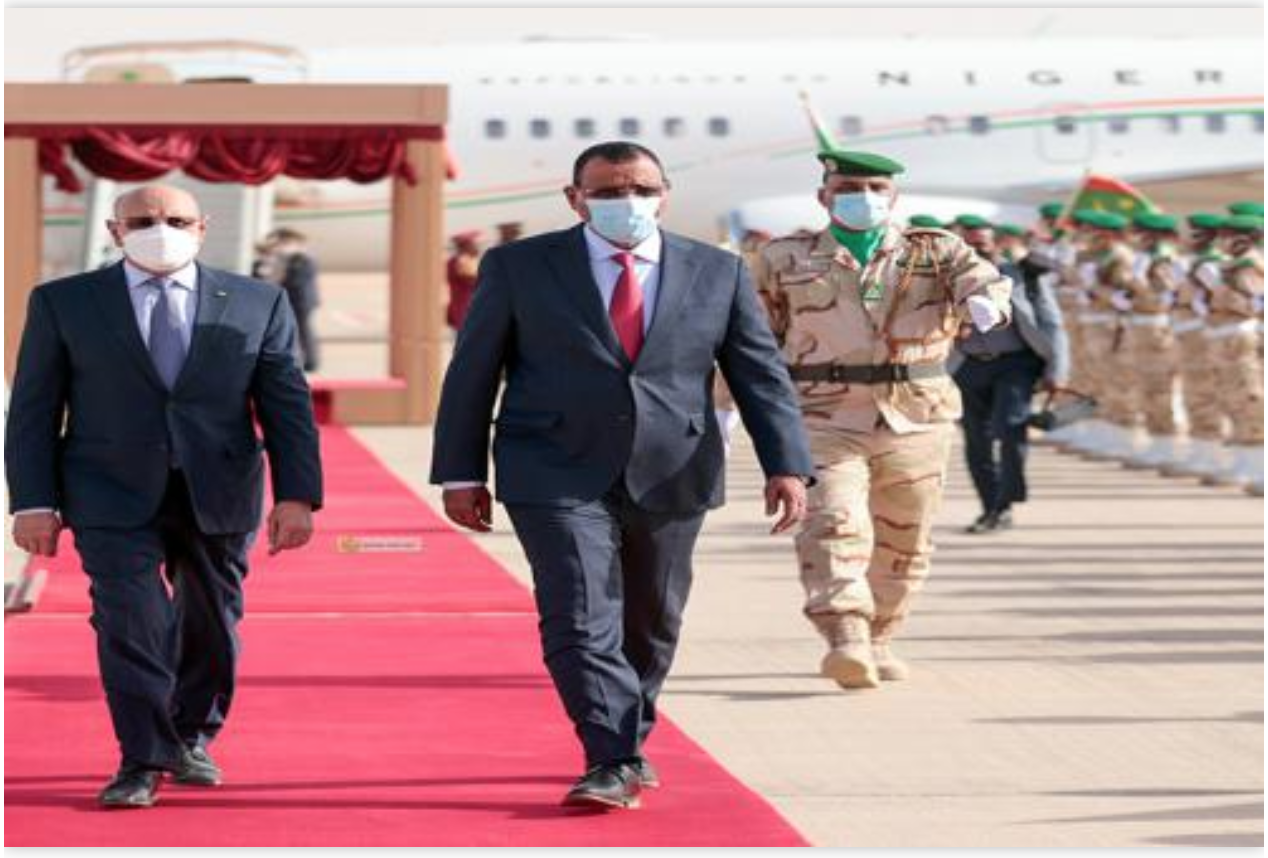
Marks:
<point>416,321</point>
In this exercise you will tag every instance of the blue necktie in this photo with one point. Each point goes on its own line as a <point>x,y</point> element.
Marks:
<point>167,345</point>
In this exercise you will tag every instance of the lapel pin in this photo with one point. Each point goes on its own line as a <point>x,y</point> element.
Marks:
<point>220,293</point>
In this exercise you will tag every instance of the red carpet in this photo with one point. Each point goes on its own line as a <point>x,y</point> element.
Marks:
<point>420,715</point>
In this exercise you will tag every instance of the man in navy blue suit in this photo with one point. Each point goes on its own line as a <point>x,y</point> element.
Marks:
<point>132,423</point>
<point>608,452</point>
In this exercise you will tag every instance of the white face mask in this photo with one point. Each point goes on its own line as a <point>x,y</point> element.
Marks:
<point>626,220</point>
<point>161,248</point>
<point>861,211</point>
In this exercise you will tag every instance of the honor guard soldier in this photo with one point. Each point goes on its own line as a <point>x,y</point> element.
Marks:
<point>866,313</point>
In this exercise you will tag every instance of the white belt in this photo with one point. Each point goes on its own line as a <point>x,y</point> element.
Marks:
<point>1097,318</point>
<point>1223,332</point>
<point>1186,325</point>
<point>1150,320</point>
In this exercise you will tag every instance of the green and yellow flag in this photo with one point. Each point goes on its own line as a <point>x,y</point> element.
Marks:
<point>1107,194</point>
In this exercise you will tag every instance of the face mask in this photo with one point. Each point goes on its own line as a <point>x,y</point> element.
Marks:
<point>861,211</point>
<point>625,221</point>
<point>161,248</point>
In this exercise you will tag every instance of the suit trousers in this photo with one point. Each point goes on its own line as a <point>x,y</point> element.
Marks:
<point>996,396</point>
<point>611,582</point>
<point>166,602</point>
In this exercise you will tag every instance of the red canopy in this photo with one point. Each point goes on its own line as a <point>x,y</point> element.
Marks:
<point>249,155</point>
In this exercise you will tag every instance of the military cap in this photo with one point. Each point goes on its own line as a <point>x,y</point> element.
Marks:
<point>1010,229</point>
<point>924,221</point>
<point>1206,220</point>
<point>1052,209</point>
<point>1246,207</point>
<point>1156,222</point>
<point>1244,223</point>
<point>1100,219</point>
<point>972,221</point>
<point>859,163</point>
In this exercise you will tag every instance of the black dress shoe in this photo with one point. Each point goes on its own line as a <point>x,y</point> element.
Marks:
<point>606,786</point>
<point>197,769</point>
<point>980,524</point>
<point>991,522</point>
<point>131,787</point>
<point>648,777</point>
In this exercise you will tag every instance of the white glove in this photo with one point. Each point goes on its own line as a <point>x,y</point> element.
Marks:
<point>1121,301</point>
<point>727,421</point>
<point>984,313</point>
<point>1258,303</point>
<point>1208,274</point>
<point>1198,304</point>
<point>1168,299</point>
<point>1140,265</point>
<point>1087,272</point>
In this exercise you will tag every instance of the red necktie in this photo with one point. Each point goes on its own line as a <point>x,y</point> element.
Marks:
<point>626,310</point>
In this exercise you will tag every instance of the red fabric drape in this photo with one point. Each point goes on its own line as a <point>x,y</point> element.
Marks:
<point>249,156</point>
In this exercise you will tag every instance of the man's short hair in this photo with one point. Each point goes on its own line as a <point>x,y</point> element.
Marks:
<point>614,152</point>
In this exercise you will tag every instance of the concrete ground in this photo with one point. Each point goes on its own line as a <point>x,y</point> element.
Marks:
<point>1092,678</point>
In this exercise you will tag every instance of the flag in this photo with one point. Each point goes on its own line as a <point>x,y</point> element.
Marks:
<point>822,135</point>
<point>1107,194</point>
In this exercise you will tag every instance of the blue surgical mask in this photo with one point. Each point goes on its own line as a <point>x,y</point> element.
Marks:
<point>626,220</point>
<point>862,211</point>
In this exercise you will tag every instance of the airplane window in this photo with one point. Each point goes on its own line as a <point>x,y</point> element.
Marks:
<point>583,127</point>
<point>1216,123</point>
<point>675,126</point>
<point>1065,124</point>
<point>1171,124</point>
<point>539,128</point>
<point>719,126</point>
<point>629,126</point>
<point>979,124</point>
<point>1257,122</point>
<point>937,125</point>
<point>494,129</point>
<point>1118,125</point>
<point>851,126</point>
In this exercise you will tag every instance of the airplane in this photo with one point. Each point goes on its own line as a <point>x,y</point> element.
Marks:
<point>989,127</point>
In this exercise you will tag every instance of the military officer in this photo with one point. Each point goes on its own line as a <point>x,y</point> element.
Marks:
<point>1150,342</point>
<point>1188,325</point>
<point>866,313</point>
<point>1232,332</point>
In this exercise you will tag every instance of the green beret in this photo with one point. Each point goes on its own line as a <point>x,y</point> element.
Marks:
<point>1156,222</point>
<point>1245,223</point>
<point>1247,207</point>
<point>846,163</point>
<point>972,221</point>
<point>924,221</point>
<point>1052,209</point>
<point>1205,220</point>
<point>1010,229</point>
<point>1100,220</point>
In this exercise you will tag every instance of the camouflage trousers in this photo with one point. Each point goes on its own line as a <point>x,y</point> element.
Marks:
<point>866,543</point>
<point>1110,372</point>
<point>1152,350</point>
<point>1239,383</point>
<point>1201,397</point>
<point>1078,379</point>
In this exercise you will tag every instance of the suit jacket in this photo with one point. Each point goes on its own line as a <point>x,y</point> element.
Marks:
<point>1037,318</point>
<point>577,416</point>
<point>90,422</point>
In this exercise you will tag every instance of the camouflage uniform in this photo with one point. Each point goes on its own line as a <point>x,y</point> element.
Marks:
<point>1151,343</point>
<point>1232,334</point>
<point>880,449</point>
<point>1188,316</point>
<point>1108,361</point>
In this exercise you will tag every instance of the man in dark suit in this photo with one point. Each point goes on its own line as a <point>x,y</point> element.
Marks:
<point>997,373</point>
<point>132,423</point>
<point>607,452</point>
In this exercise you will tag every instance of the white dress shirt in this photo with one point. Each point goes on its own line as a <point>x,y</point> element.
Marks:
<point>607,272</point>
<point>182,299</point>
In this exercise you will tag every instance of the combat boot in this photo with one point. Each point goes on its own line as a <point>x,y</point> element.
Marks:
<point>889,667</point>
<point>849,660</point>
